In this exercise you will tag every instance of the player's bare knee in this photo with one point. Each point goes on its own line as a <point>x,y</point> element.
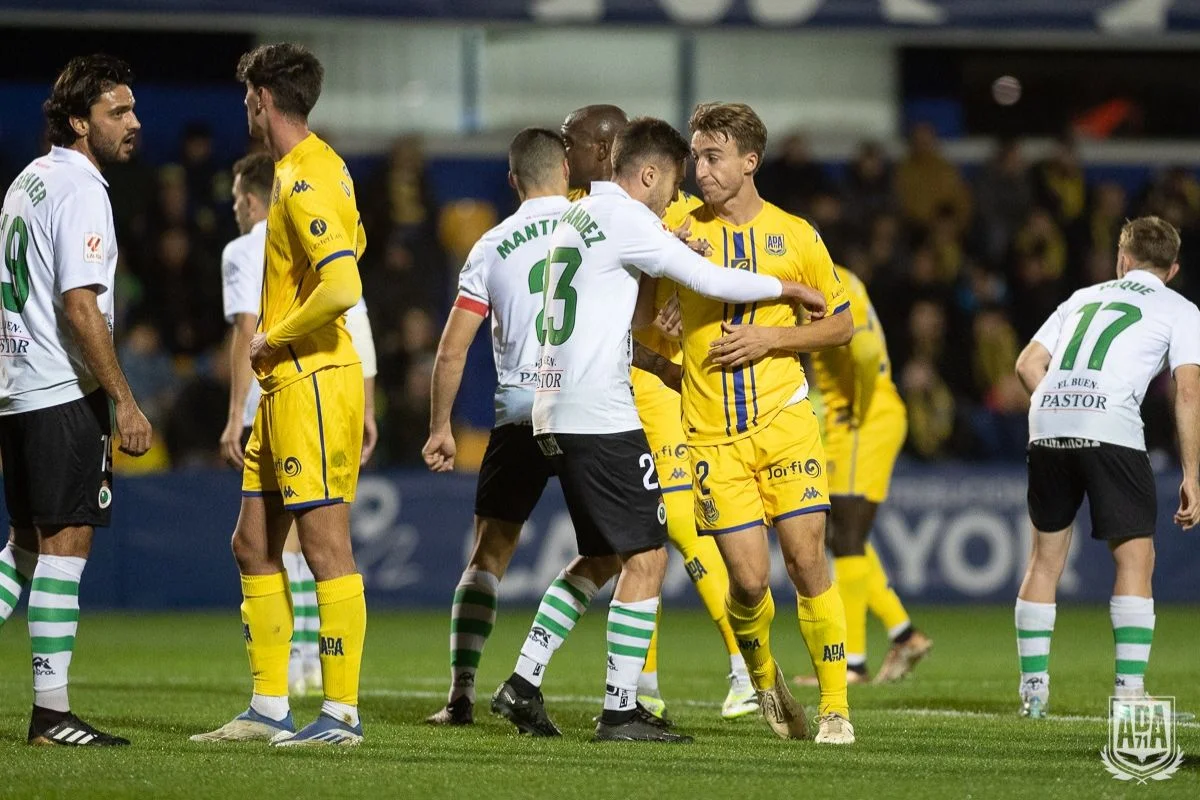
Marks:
<point>646,563</point>
<point>72,541</point>
<point>749,587</point>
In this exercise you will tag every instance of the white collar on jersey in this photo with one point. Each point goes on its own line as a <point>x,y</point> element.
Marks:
<point>78,159</point>
<point>537,203</point>
<point>1144,275</point>
<point>607,187</point>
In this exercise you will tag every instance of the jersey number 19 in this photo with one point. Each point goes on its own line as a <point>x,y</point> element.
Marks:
<point>16,291</point>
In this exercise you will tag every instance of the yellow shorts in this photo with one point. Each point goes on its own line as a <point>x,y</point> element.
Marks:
<point>861,461</point>
<point>307,440</point>
<point>662,418</point>
<point>776,472</point>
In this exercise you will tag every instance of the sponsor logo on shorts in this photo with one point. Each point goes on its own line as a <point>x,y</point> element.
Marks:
<point>775,245</point>
<point>812,468</point>
<point>680,450</point>
<point>793,470</point>
<point>290,466</point>
<point>662,513</point>
<point>104,499</point>
<point>834,652</point>
<point>708,509</point>
<point>41,666</point>
<point>1066,443</point>
<point>549,445</point>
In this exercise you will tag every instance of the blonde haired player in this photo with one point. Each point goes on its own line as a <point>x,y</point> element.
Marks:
<point>753,438</point>
<point>302,460</point>
<point>865,426</point>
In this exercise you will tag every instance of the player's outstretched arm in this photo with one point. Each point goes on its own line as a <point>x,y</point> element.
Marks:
<point>1187,420</point>
<point>95,343</point>
<point>1032,365</point>
<point>460,330</point>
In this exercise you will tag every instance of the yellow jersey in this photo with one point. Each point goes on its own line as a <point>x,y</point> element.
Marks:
<point>312,222</point>
<point>834,370</point>
<point>722,405</point>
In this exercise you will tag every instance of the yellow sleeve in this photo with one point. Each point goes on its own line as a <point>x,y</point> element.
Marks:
<point>338,289</point>
<point>866,350</point>
<point>816,270</point>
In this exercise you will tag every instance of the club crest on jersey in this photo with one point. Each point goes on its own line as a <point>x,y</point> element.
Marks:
<point>93,248</point>
<point>708,509</point>
<point>775,245</point>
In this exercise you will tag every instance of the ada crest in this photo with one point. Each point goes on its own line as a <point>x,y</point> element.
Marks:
<point>1141,739</point>
<point>708,507</point>
<point>775,245</point>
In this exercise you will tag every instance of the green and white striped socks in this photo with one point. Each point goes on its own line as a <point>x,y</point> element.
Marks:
<point>306,622</point>
<point>1133,631</point>
<point>16,568</point>
<point>561,607</point>
<point>1035,626</point>
<point>53,620</point>
<point>630,627</point>
<point>472,618</point>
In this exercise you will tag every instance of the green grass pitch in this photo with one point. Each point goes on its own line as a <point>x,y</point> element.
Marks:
<point>950,731</point>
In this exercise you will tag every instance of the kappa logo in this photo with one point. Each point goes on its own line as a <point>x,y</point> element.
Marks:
<point>93,248</point>
<point>811,493</point>
<point>1141,739</point>
<point>42,666</point>
<point>678,474</point>
<point>775,245</point>
<point>289,492</point>
<point>300,186</point>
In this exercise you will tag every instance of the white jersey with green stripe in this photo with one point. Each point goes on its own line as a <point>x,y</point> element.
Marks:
<point>597,255</point>
<point>1107,343</point>
<point>56,228</point>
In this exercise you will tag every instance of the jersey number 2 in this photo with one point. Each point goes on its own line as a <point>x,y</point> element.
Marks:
<point>16,291</point>
<point>549,328</point>
<point>1129,315</point>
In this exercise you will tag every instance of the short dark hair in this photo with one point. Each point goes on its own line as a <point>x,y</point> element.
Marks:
<point>647,139</point>
<point>1150,240</point>
<point>534,155</point>
<point>77,89</point>
<point>290,71</point>
<point>734,121</point>
<point>257,171</point>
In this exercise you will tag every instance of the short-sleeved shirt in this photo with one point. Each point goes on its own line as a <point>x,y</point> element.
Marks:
<point>312,221</point>
<point>597,253</point>
<point>1106,343</point>
<point>725,404</point>
<point>241,290</point>
<point>503,276</point>
<point>56,228</point>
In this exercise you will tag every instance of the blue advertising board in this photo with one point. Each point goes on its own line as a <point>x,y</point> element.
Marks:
<point>948,534</point>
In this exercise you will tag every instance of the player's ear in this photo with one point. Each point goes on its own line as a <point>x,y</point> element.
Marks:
<point>80,125</point>
<point>1172,272</point>
<point>566,170</point>
<point>512,181</point>
<point>649,173</point>
<point>751,163</point>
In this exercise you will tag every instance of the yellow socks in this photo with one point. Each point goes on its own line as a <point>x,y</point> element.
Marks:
<point>882,599</point>
<point>850,576</point>
<point>823,626</point>
<point>267,621</point>
<point>752,627</point>
<point>343,613</point>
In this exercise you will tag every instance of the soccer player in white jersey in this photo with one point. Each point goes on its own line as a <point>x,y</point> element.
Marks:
<point>241,274</point>
<point>59,374</point>
<point>584,416</point>
<point>1088,368</point>
<point>502,277</point>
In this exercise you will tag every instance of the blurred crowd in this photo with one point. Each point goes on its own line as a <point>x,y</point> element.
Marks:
<point>962,269</point>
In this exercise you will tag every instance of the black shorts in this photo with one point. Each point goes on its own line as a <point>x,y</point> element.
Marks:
<point>513,475</point>
<point>611,489</point>
<point>1118,482</point>
<point>58,464</point>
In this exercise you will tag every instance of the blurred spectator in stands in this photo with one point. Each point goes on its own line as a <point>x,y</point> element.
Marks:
<point>945,243</point>
<point>196,421</point>
<point>149,369</point>
<point>868,187</point>
<point>398,198</point>
<point>792,179</point>
<point>132,188</point>
<point>826,216</point>
<point>1040,235</point>
<point>927,182</point>
<point>206,181</point>
<point>185,295</point>
<point>931,409</point>
<point>1059,183</point>
<point>1004,198</point>
<point>1105,219</point>
<point>407,421</point>
<point>1036,293</point>
<point>999,420</point>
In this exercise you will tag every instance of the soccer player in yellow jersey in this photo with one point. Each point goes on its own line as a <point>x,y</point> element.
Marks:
<point>865,426</point>
<point>589,132</point>
<point>302,459</point>
<point>753,438</point>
